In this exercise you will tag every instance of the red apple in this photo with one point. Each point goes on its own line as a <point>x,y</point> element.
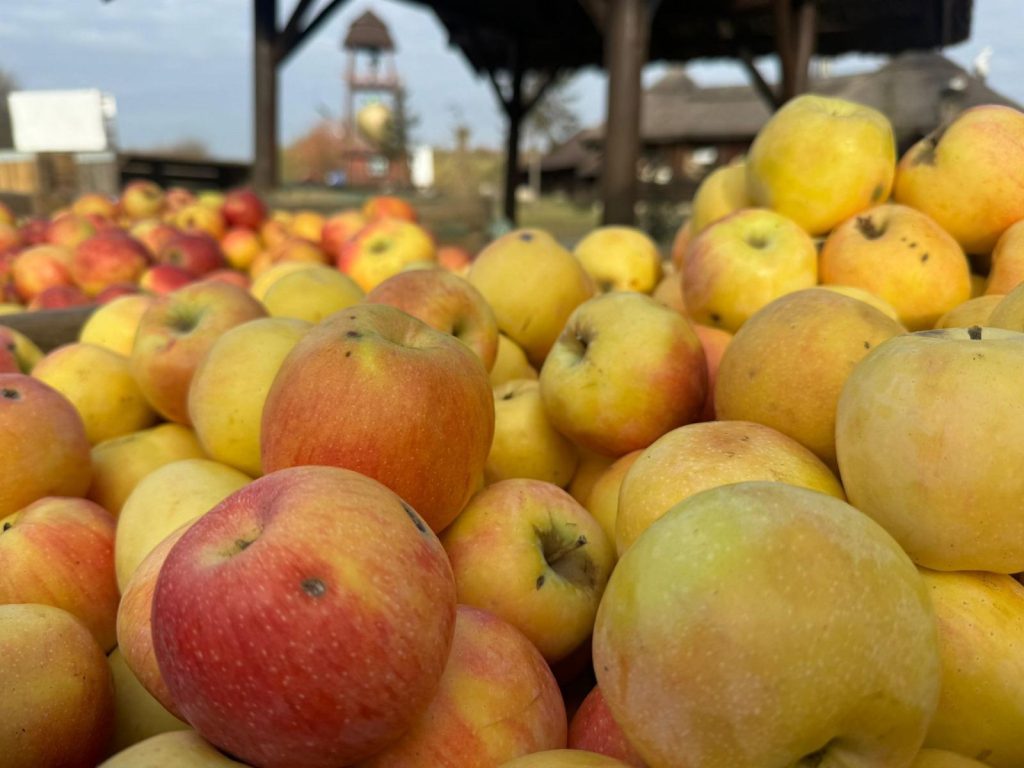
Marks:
<point>195,252</point>
<point>142,199</point>
<point>33,231</point>
<point>10,237</point>
<point>388,207</point>
<point>115,291</point>
<point>230,276</point>
<point>40,267</point>
<point>244,208</point>
<point>241,247</point>
<point>94,204</point>
<point>60,552</point>
<point>164,278</point>
<point>453,258</point>
<point>372,370</point>
<point>59,297</point>
<point>177,198</point>
<point>350,596</point>
<point>175,334</point>
<point>593,729</point>
<point>106,259</point>
<point>69,231</point>
<point>153,234</point>
<point>338,230</point>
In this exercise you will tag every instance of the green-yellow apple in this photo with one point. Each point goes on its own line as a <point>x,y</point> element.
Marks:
<point>786,366</point>
<point>706,455</point>
<point>1009,313</point>
<point>107,258</point>
<point>510,362</point>
<point>176,332</point>
<point>308,225</point>
<point>25,351</point>
<point>1007,270</point>
<point>976,311</point>
<point>373,370</point>
<point>603,500</point>
<point>497,700</point>
<point>196,217</point>
<point>43,442</point>
<point>382,248</point>
<point>263,282</point>
<point>915,422</point>
<point>137,715</point>
<point>940,758</point>
<point>343,583</point>
<point>533,284</point>
<point>100,385</point>
<point>60,551</point>
<point>68,230</point>
<point>743,262</point>
<point>981,709</point>
<point>446,302</point>
<point>866,296</point>
<point>113,325</point>
<point>760,624</point>
<point>590,467</point>
<point>57,707</point>
<point>820,160</point>
<point>593,729</point>
<point>620,259</point>
<point>95,204</point>
<point>141,199</point>
<point>525,444</point>
<point>612,394</point>
<point>960,175</point>
<point>165,499</point>
<point>720,193</point>
<point>119,464</point>
<point>241,247</point>
<point>903,256</point>
<point>291,249</point>
<point>565,758</point>
<point>312,294</point>
<point>181,749</point>
<point>230,386</point>
<point>530,553</point>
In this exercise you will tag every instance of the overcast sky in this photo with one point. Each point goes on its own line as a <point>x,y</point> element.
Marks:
<point>182,68</point>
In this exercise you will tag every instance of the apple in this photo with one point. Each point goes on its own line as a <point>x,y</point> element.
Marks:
<point>565,758</point>
<point>6,214</point>
<point>719,194</point>
<point>43,441</point>
<point>980,712</point>
<point>497,700</point>
<point>360,602</point>
<point>264,281</point>
<point>100,385</point>
<point>164,500</point>
<point>372,370</point>
<point>197,217</point>
<point>903,256</point>
<point>176,332</point>
<point>308,225</point>
<point>669,292</point>
<point>1007,259</point>
<point>33,230</point>
<point>95,204</point>
<point>176,198</point>
<point>454,258</point>
<point>701,643</point>
<point>59,297</point>
<point>910,428</point>
<point>593,729</point>
<point>707,455</point>
<point>1009,313</point>
<point>959,176</point>
<point>177,748</point>
<point>940,758</point>
<point>820,160</point>
<point>533,284</point>
<point>290,249</point>
<point>57,707</point>
<point>229,276</point>
<point>528,552</point>
<point>69,231</point>
<point>613,395</point>
<point>338,230</point>
<point>141,199</point>
<point>977,311</point>
<point>115,291</point>
<point>387,206</point>
<point>866,296</point>
<point>165,278</point>
<point>107,258</point>
<point>273,232</point>
<point>153,234</point>
<point>137,715</point>
<point>382,248</point>
<point>244,208</point>
<point>21,348</point>
<point>311,294</point>
<point>195,252</point>
<point>714,341</point>
<point>10,237</point>
<point>786,366</point>
<point>60,552</point>
<point>211,198</point>
<point>241,247</point>
<point>743,262</point>
<point>603,500</point>
<point>510,362</point>
<point>445,302</point>
<point>590,467</point>
<point>525,444</point>
<point>40,267</point>
<point>113,325</point>
<point>620,259</point>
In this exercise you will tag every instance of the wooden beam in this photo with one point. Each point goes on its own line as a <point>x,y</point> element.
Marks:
<point>264,79</point>
<point>806,36</point>
<point>51,328</point>
<point>294,24</point>
<point>785,45</point>
<point>597,10</point>
<point>290,43</point>
<point>514,111</point>
<point>760,84</point>
<point>626,40</point>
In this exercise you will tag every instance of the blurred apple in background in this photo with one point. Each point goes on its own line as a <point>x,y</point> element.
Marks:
<point>153,234</point>
<point>40,267</point>
<point>113,325</point>
<point>308,225</point>
<point>197,217</point>
<point>33,230</point>
<point>311,294</point>
<point>165,278</point>
<point>142,199</point>
<point>107,258</point>
<point>244,208</point>
<point>176,198</point>
<point>721,193</point>
<point>290,249</point>
<point>94,204</point>
<point>388,207</point>
<point>338,230</point>
<point>59,297</point>
<point>57,706</point>
<point>454,258</point>
<point>382,248</point>
<point>69,230</point>
<point>241,247</point>
<point>195,252</point>
<point>620,259</point>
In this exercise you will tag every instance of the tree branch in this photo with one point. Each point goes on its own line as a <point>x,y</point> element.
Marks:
<point>288,44</point>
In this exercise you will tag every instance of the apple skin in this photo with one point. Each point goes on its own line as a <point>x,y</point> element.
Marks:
<point>497,700</point>
<point>115,291</point>
<point>593,729</point>
<point>107,258</point>
<point>311,294</point>
<point>721,193</point>
<point>701,641</point>
<point>176,198</point>
<point>195,252</point>
<point>320,559</point>
<point>940,758</point>
<point>308,225</point>
<point>1009,313</point>
<point>113,325</point>
<point>454,258</point>
<point>603,499</point>
<point>371,370</point>
<point>59,297</point>
<point>60,552</point>
<point>57,707</point>
<point>528,552</point>
<point>43,441</point>
<point>1007,270</point>
<point>958,176</point>
<point>290,249</point>
<point>338,230</point>
<point>178,748</point>
<point>137,715</point>
<point>141,199</point>
<point>388,207</point>
<point>620,259</point>
<point>981,710</point>
<point>165,278</point>
<point>976,311</point>
<point>197,217</point>
<point>40,267</point>
<point>445,302</point>
<point>95,204</point>
<point>510,363</point>
<point>382,248</point>
<point>910,427</point>
<point>565,758</point>
<point>244,208</point>
<point>241,247</point>
<point>612,395</point>
<point>820,160</point>
<point>176,332</point>
<point>69,230</point>
<point>714,341</point>
<point>33,231</point>
<point>153,234</point>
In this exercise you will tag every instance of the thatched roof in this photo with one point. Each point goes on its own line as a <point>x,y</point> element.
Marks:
<point>368,32</point>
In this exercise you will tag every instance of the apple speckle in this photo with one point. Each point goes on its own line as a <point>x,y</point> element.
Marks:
<point>353,335</point>
<point>526,237</point>
<point>314,587</point>
<point>867,345</point>
<point>540,581</point>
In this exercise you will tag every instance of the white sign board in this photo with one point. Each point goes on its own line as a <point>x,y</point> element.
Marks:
<point>62,121</point>
<point>421,167</point>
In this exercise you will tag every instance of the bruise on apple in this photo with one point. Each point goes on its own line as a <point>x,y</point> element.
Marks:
<point>314,587</point>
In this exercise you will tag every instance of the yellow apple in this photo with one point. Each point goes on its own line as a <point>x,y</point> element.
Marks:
<point>603,500</point>
<point>1007,270</point>
<point>820,160</point>
<point>382,248</point>
<point>720,193</point>
<point>262,283</point>
<point>620,259</point>
<point>510,363</point>
<point>137,715</point>
<point>867,297</point>
<point>113,325</point>
<point>564,758</point>
<point>1009,312</point>
<point>976,311</point>
<point>180,749</point>
<point>311,294</point>
<point>669,291</point>
<point>590,467</point>
<point>940,758</point>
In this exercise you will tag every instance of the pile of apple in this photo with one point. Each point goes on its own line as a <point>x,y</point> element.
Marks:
<point>403,510</point>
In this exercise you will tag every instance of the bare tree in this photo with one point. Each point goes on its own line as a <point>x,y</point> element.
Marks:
<point>553,119</point>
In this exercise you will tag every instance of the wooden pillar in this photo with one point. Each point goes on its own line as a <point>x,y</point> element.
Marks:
<point>514,112</point>
<point>626,39</point>
<point>264,78</point>
<point>795,31</point>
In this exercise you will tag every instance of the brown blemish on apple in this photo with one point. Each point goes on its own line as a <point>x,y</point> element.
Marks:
<point>924,257</point>
<point>974,332</point>
<point>526,237</point>
<point>314,587</point>
<point>353,335</point>
<point>416,519</point>
<point>540,581</point>
<point>867,345</point>
<point>868,228</point>
<point>877,192</point>
<point>349,353</point>
<point>10,394</point>
<point>8,526</point>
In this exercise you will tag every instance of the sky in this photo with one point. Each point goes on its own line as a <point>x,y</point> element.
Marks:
<point>181,69</point>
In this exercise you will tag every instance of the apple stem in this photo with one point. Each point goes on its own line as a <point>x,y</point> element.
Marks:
<point>558,554</point>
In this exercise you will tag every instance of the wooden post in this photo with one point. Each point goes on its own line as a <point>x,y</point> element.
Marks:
<point>794,40</point>
<point>626,38</point>
<point>264,77</point>
<point>514,112</point>
<point>806,33</point>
